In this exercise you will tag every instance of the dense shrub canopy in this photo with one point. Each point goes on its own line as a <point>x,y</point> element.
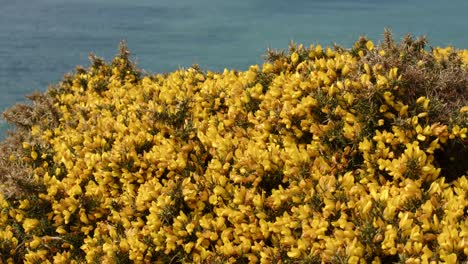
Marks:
<point>319,155</point>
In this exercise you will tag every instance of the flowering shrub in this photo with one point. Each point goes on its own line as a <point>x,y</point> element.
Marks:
<point>320,155</point>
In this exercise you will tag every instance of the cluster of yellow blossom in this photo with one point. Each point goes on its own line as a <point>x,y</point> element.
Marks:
<point>314,156</point>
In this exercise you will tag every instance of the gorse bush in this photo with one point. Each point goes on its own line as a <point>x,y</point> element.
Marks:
<point>321,155</point>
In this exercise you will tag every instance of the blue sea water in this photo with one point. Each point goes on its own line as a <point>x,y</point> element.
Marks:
<point>41,40</point>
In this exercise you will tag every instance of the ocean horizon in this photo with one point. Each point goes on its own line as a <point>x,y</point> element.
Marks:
<point>42,40</point>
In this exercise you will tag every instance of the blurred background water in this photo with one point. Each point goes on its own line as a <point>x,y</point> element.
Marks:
<point>41,40</point>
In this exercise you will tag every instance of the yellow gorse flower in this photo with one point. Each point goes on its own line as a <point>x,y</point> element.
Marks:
<point>322,154</point>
